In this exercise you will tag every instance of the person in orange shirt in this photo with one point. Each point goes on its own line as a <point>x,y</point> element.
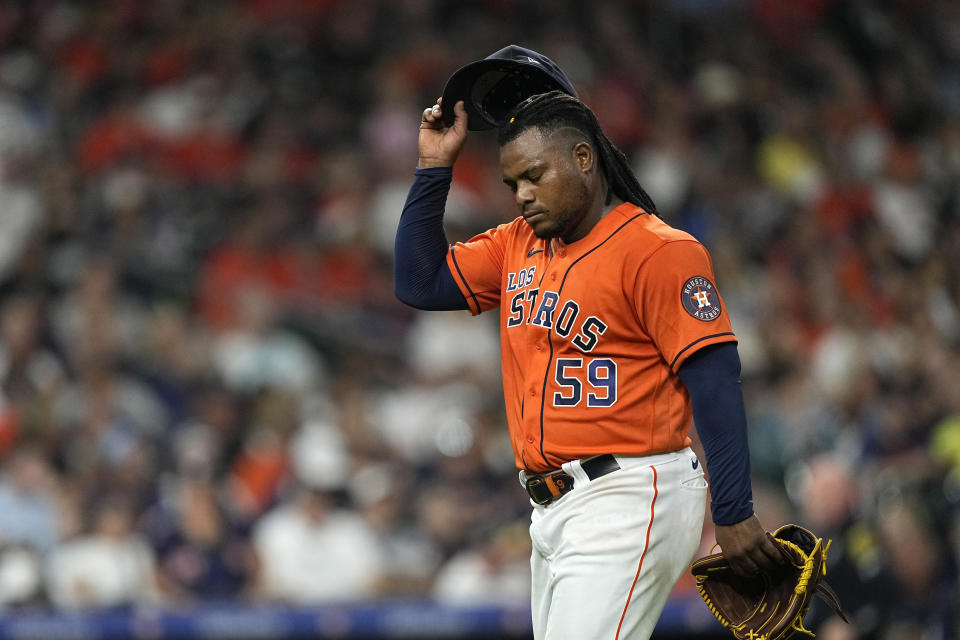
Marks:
<point>613,337</point>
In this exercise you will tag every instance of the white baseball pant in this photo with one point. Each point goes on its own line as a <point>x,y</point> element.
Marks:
<point>607,554</point>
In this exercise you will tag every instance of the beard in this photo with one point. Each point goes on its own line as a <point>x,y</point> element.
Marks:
<point>558,223</point>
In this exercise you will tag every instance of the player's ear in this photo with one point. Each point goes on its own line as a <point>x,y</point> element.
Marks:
<point>583,156</point>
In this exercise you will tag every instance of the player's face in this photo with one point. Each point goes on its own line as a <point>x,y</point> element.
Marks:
<point>548,183</point>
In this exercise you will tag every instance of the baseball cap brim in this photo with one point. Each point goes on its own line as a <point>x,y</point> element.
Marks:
<point>490,88</point>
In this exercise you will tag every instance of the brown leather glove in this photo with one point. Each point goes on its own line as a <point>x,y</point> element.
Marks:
<point>769,606</point>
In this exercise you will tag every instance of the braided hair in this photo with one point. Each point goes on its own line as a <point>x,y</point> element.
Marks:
<point>556,110</point>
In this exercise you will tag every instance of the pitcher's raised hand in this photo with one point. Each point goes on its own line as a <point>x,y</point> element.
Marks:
<point>438,145</point>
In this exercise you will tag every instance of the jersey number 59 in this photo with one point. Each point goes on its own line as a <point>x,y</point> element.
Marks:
<point>600,375</point>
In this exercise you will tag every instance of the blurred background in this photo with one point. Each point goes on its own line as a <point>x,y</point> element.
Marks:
<point>216,421</point>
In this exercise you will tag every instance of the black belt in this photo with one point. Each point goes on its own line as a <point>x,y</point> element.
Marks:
<point>544,488</point>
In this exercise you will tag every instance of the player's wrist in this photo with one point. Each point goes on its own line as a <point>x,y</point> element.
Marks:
<point>727,515</point>
<point>434,163</point>
<point>734,521</point>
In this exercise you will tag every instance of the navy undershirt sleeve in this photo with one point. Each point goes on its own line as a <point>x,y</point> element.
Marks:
<point>712,377</point>
<point>422,278</point>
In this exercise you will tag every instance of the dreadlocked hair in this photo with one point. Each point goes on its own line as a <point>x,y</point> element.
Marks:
<point>555,110</point>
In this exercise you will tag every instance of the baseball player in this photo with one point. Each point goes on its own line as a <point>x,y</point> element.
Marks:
<point>613,337</point>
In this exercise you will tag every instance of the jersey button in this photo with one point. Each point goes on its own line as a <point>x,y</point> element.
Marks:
<point>533,392</point>
<point>539,347</point>
<point>553,276</point>
<point>530,439</point>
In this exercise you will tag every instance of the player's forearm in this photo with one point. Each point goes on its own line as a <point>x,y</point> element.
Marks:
<point>713,380</point>
<point>421,276</point>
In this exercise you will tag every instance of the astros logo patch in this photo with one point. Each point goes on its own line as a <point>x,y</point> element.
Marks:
<point>699,298</point>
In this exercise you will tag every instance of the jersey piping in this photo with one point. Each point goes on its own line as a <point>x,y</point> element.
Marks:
<point>476,303</point>
<point>697,341</point>
<point>546,375</point>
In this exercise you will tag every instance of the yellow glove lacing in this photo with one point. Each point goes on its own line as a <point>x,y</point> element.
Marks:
<point>800,589</point>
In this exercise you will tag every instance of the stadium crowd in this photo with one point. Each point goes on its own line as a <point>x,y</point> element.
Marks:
<point>209,391</point>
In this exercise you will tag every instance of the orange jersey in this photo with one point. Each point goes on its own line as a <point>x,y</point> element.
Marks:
<point>592,333</point>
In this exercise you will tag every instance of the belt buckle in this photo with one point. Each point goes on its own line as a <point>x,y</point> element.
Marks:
<point>549,486</point>
<point>535,482</point>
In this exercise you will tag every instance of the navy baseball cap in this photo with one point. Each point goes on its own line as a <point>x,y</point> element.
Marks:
<point>491,87</point>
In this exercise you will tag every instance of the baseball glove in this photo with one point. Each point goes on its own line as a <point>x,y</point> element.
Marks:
<point>770,606</point>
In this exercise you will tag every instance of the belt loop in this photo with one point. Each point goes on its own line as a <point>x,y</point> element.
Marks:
<point>575,469</point>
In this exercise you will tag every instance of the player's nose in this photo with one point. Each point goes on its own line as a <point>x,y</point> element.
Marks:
<point>524,195</point>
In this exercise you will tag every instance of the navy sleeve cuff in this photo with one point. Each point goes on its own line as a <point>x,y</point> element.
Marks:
<point>439,172</point>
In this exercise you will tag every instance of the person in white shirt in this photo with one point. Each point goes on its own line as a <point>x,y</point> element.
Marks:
<point>312,552</point>
<point>109,567</point>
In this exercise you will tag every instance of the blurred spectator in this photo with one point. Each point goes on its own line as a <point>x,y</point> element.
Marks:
<point>110,566</point>
<point>450,345</point>
<point>493,571</point>
<point>29,371</point>
<point>241,267</point>
<point>97,321</point>
<point>21,577</point>
<point>830,503</point>
<point>174,358</point>
<point>29,509</point>
<point>411,417</point>
<point>926,587</point>
<point>260,468</point>
<point>381,493</point>
<point>312,551</point>
<point>108,424</point>
<point>258,353</point>
<point>200,553</point>
<point>23,216</point>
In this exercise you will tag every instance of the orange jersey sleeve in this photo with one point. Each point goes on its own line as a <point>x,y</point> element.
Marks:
<point>678,304</point>
<point>477,266</point>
